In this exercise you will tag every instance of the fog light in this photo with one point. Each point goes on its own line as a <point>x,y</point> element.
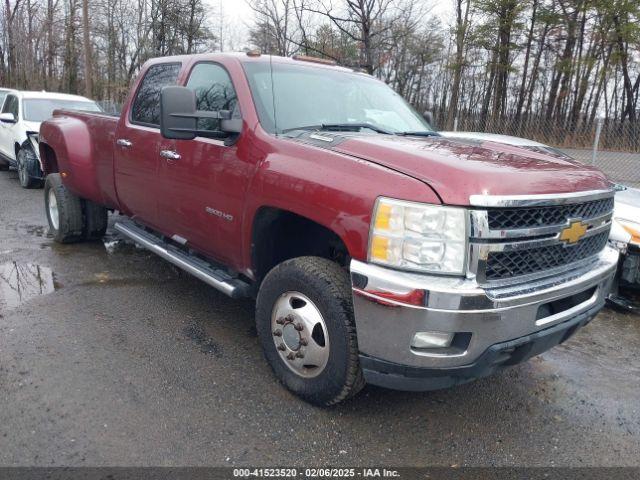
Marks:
<point>432,340</point>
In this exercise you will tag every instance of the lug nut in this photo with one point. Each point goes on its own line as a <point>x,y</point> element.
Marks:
<point>304,342</point>
<point>300,355</point>
<point>299,327</point>
<point>280,321</point>
<point>291,356</point>
<point>282,347</point>
<point>277,333</point>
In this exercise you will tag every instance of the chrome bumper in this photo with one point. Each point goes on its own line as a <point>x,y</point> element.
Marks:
<point>388,316</point>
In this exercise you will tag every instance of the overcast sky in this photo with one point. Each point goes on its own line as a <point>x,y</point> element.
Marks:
<point>238,17</point>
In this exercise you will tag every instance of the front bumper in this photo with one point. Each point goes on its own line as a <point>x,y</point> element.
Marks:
<point>489,323</point>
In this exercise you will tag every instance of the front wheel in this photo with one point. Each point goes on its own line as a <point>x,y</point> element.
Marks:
<point>64,211</point>
<point>305,323</point>
<point>28,167</point>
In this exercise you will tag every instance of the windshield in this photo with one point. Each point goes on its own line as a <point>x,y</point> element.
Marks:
<point>306,95</point>
<point>40,109</point>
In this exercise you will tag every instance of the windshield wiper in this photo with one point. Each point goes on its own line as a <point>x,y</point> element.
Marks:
<point>424,133</point>
<point>357,126</point>
<point>341,127</point>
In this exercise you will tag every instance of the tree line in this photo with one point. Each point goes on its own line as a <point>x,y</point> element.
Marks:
<point>547,69</point>
<point>94,47</point>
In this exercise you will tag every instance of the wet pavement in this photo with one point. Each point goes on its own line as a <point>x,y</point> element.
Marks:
<point>110,356</point>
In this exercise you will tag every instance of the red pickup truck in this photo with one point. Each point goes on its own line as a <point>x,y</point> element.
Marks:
<point>377,251</point>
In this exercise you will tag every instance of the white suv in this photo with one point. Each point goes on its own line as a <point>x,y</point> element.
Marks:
<point>22,113</point>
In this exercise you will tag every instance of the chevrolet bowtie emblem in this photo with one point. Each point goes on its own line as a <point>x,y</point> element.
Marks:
<point>574,232</point>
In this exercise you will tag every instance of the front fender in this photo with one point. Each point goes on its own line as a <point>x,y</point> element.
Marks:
<point>333,190</point>
<point>32,141</point>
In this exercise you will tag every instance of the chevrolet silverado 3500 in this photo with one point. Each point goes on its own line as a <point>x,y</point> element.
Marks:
<point>377,250</point>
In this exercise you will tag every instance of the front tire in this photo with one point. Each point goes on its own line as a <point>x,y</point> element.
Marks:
<point>64,211</point>
<point>27,164</point>
<point>305,323</point>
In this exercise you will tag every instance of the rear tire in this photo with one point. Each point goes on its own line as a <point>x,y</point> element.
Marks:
<point>27,164</point>
<point>64,211</point>
<point>323,288</point>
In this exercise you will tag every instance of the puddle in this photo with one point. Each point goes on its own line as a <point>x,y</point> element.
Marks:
<point>37,230</point>
<point>20,282</point>
<point>104,279</point>
<point>115,243</point>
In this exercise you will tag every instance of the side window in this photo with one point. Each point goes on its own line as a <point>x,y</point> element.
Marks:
<point>214,91</point>
<point>11,105</point>
<point>146,105</point>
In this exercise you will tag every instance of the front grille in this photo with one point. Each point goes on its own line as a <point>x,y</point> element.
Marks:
<point>531,217</point>
<point>506,264</point>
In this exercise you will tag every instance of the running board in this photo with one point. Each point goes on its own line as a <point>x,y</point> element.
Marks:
<point>208,273</point>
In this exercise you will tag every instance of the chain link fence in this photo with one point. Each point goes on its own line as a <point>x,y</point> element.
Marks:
<point>612,146</point>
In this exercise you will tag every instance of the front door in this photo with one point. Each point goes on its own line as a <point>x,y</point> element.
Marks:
<point>9,131</point>
<point>138,145</point>
<point>204,184</point>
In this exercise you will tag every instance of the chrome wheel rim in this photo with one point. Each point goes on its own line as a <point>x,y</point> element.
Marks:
<point>53,210</point>
<point>300,334</point>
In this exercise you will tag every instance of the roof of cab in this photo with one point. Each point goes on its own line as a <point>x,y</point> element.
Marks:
<point>247,57</point>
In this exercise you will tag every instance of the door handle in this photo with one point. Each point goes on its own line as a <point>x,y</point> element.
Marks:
<point>123,142</point>
<point>170,154</point>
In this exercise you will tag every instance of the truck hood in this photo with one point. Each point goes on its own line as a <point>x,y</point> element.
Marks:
<point>459,168</point>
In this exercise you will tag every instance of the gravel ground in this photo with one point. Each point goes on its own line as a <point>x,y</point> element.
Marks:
<point>110,356</point>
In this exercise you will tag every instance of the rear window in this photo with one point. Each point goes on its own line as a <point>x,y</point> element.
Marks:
<point>40,109</point>
<point>146,105</point>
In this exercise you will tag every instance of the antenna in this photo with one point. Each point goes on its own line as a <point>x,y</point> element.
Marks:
<point>273,95</point>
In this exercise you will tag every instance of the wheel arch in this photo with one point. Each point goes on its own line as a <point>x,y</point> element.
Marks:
<point>48,159</point>
<point>66,148</point>
<point>278,235</point>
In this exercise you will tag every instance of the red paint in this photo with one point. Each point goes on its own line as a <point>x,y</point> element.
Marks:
<point>333,187</point>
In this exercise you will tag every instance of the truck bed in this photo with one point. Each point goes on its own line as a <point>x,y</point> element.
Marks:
<point>90,157</point>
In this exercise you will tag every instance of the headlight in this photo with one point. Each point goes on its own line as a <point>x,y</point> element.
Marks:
<point>419,237</point>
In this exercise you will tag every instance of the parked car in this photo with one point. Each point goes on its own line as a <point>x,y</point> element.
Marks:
<point>377,250</point>
<point>625,236</point>
<point>22,113</point>
<point>625,231</point>
<point>4,163</point>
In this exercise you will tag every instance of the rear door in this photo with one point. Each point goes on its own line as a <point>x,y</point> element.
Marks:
<point>204,190</point>
<point>137,146</point>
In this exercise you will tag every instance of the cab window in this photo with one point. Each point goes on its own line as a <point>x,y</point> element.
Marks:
<point>214,91</point>
<point>146,104</point>
<point>3,95</point>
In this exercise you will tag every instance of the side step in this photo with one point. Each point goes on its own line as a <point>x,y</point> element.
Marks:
<point>208,273</point>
